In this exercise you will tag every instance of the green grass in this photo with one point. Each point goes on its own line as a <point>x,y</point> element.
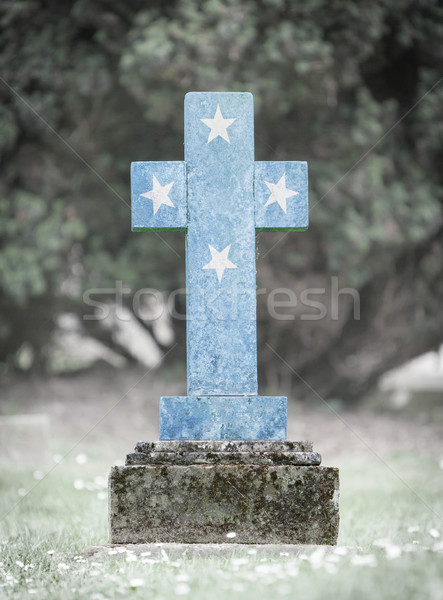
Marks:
<point>375,505</point>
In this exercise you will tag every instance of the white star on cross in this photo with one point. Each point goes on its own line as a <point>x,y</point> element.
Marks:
<point>279,192</point>
<point>218,126</point>
<point>159,194</point>
<point>220,261</point>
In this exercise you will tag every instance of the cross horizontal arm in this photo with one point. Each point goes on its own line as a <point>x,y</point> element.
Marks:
<point>281,196</point>
<point>159,201</point>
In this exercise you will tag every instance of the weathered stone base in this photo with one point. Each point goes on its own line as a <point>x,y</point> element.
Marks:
<point>261,499</point>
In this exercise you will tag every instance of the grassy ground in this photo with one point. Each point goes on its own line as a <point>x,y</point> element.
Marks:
<point>44,536</point>
<point>391,534</point>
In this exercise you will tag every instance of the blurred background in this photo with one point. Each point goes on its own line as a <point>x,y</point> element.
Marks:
<point>88,87</point>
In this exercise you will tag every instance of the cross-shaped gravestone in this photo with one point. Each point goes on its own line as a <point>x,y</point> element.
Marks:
<point>220,197</point>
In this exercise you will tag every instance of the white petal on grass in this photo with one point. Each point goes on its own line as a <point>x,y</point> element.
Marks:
<point>317,558</point>
<point>112,551</point>
<point>79,484</point>
<point>231,535</point>
<point>81,459</point>
<point>50,552</point>
<point>120,550</point>
<point>392,552</point>
<point>366,560</point>
<point>252,551</point>
<point>331,568</point>
<point>182,589</point>
<point>440,464</point>
<point>383,543</point>
<point>176,563</point>
<point>149,561</point>
<point>131,558</point>
<point>332,558</point>
<point>19,564</point>
<point>137,582</point>
<point>182,577</point>
<point>263,568</point>
<point>413,528</point>
<point>57,458</point>
<point>240,560</point>
<point>270,571</point>
<point>164,555</point>
<point>32,591</point>
<point>10,579</point>
<point>102,495</point>
<point>292,569</point>
<point>434,533</point>
<point>145,553</point>
<point>340,550</point>
<point>62,566</point>
<point>21,492</point>
<point>38,475</point>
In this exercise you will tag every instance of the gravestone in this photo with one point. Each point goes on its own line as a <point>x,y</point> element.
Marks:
<point>222,463</point>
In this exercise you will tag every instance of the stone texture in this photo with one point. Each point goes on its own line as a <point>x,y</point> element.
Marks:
<point>221,333</point>
<point>223,452</point>
<point>223,418</point>
<point>216,458</point>
<point>174,218</point>
<point>223,446</point>
<point>201,504</point>
<point>271,217</point>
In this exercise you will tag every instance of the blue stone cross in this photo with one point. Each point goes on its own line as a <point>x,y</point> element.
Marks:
<point>220,197</point>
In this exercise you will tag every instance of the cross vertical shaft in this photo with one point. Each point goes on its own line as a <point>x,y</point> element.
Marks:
<point>221,325</point>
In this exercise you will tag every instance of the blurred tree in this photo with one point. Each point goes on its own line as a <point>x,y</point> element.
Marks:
<point>88,87</point>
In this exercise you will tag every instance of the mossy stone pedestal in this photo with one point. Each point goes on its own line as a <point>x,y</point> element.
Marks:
<point>197,492</point>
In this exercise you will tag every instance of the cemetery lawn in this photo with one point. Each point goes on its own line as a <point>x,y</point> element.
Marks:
<point>391,475</point>
<point>390,545</point>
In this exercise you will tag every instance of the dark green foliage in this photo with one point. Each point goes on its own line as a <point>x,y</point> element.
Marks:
<point>332,82</point>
